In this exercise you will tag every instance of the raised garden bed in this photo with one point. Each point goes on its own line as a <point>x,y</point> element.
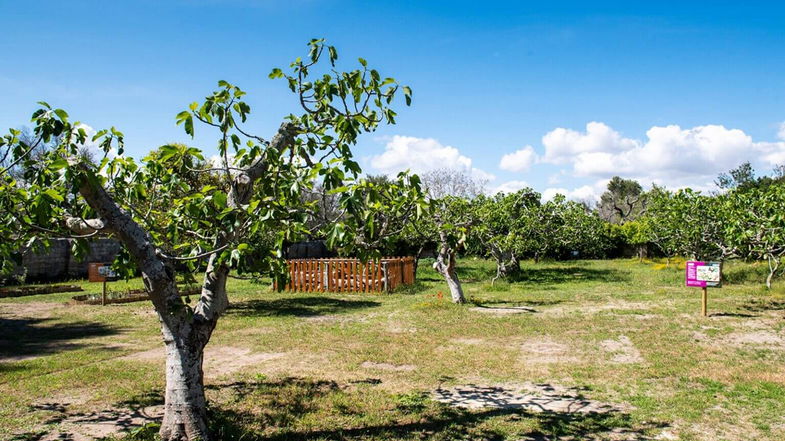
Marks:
<point>22,291</point>
<point>129,296</point>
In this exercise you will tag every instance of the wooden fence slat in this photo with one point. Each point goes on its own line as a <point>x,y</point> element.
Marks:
<point>312,274</point>
<point>329,270</point>
<point>344,278</point>
<point>368,277</point>
<point>317,272</point>
<point>353,266</point>
<point>379,283</point>
<point>320,274</point>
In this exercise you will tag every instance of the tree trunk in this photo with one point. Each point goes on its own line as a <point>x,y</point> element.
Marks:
<point>185,336</point>
<point>417,259</point>
<point>514,266</point>
<point>445,265</point>
<point>774,264</point>
<point>642,252</point>
<point>507,264</point>
<point>185,408</point>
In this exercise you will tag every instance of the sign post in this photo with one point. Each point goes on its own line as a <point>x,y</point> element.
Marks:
<point>101,272</point>
<point>704,275</point>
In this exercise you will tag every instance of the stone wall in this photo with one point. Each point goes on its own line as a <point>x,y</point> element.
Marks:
<point>57,263</point>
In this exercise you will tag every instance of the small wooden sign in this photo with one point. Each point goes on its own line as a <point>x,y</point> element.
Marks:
<point>704,275</point>
<point>100,272</point>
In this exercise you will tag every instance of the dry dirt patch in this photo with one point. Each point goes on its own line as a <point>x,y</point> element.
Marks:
<point>218,360</point>
<point>31,309</point>
<point>546,350</point>
<point>597,308</point>
<point>622,349</point>
<point>98,425</point>
<point>528,396</point>
<point>763,339</point>
<point>340,318</point>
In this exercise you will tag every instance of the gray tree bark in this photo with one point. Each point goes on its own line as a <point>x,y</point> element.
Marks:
<point>507,264</point>
<point>774,265</point>
<point>445,265</point>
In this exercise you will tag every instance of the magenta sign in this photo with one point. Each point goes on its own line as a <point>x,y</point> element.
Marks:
<point>704,274</point>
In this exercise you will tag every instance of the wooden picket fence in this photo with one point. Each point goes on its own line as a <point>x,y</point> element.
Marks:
<point>349,275</point>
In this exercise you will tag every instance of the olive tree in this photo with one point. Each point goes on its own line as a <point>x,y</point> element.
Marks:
<point>62,194</point>
<point>623,200</point>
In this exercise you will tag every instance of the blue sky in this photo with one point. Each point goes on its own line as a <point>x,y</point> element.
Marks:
<point>672,92</point>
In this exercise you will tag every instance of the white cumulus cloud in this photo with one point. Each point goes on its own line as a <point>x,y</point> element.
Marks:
<point>93,148</point>
<point>509,187</point>
<point>423,154</point>
<point>586,193</point>
<point>519,161</point>
<point>562,145</point>
<point>670,155</point>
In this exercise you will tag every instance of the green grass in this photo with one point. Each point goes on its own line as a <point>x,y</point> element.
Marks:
<point>698,378</point>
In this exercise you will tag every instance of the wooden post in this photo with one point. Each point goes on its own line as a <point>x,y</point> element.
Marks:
<point>386,276</point>
<point>103,294</point>
<point>704,301</point>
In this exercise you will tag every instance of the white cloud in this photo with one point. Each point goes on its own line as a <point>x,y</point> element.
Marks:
<point>562,145</point>
<point>509,187</point>
<point>423,154</point>
<point>93,148</point>
<point>585,193</point>
<point>555,178</point>
<point>519,161</point>
<point>549,193</point>
<point>671,156</point>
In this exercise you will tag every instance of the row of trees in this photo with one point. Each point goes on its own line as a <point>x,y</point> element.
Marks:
<point>744,219</point>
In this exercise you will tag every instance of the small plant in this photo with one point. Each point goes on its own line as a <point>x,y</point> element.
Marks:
<point>412,401</point>
<point>434,301</point>
<point>147,432</point>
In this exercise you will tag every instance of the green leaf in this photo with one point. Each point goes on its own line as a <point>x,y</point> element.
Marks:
<point>62,114</point>
<point>53,194</point>
<point>58,164</point>
<point>407,94</point>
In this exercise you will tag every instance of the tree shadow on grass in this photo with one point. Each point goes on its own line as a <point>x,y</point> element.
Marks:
<point>413,417</point>
<point>518,302</point>
<point>732,314</point>
<point>763,305</point>
<point>25,338</point>
<point>550,276</point>
<point>267,410</point>
<point>299,306</point>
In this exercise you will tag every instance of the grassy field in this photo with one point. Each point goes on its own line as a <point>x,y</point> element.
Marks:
<point>324,367</point>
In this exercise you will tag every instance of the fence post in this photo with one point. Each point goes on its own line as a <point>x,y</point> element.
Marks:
<point>386,276</point>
